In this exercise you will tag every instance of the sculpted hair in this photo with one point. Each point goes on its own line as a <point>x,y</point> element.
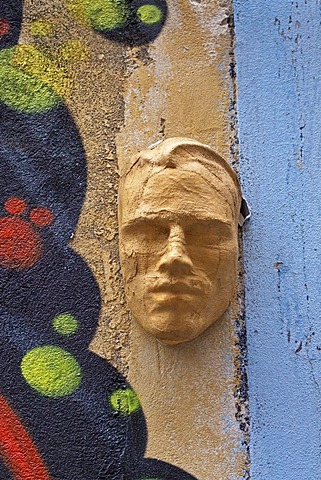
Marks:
<point>189,155</point>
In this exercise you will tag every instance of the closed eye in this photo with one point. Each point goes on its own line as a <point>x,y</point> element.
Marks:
<point>145,235</point>
<point>208,233</point>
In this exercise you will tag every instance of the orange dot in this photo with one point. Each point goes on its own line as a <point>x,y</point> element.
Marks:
<point>4,27</point>
<point>20,245</point>
<point>15,206</point>
<point>41,216</point>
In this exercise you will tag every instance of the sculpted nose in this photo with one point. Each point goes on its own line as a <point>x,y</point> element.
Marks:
<point>176,260</point>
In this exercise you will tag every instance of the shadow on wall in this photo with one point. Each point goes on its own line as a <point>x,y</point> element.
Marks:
<point>65,413</point>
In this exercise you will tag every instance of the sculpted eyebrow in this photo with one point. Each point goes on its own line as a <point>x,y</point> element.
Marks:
<point>187,221</point>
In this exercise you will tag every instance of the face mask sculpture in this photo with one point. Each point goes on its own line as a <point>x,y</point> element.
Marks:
<point>179,205</point>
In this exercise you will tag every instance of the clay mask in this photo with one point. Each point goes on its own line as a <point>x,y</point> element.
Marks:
<point>178,214</point>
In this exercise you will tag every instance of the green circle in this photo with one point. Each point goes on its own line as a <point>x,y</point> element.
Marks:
<point>25,93</point>
<point>106,14</point>
<point>149,14</point>
<point>65,323</point>
<point>124,401</point>
<point>51,371</point>
<point>21,91</point>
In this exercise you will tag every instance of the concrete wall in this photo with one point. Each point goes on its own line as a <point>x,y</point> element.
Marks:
<point>80,91</point>
<point>84,392</point>
<point>278,71</point>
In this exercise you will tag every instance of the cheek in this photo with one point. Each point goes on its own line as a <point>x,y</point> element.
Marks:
<point>206,261</point>
<point>222,285</point>
<point>227,271</point>
<point>134,266</point>
<point>219,265</point>
<point>128,264</point>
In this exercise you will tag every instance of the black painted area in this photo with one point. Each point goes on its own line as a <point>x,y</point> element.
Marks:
<point>42,161</point>
<point>135,32</point>
<point>4,472</point>
<point>11,12</point>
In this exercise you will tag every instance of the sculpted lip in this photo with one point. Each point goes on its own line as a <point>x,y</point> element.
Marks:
<point>176,287</point>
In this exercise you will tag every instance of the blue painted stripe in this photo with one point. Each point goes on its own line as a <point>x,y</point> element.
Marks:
<point>278,54</point>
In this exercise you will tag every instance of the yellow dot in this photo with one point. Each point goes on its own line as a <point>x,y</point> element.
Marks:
<point>48,70</point>
<point>149,14</point>
<point>41,27</point>
<point>124,401</point>
<point>77,10</point>
<point>74,51</point>
<point>51,371</point>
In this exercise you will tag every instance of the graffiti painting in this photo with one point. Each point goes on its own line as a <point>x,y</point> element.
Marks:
<point>65,412</point>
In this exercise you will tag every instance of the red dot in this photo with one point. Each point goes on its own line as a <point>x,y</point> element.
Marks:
<point>20,245</point>
<point>4,26</point>
<point>41,216</point>
<point>15,205</point>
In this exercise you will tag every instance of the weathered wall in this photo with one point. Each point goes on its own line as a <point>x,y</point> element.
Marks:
<point>184,88</point>
<point>279,92</point>
<point>75,103</point>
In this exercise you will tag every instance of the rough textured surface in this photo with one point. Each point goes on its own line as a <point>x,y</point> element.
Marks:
<point>182,85</point>
<point>278,67</point>
<point>96,104</point>
<point>70,91</point>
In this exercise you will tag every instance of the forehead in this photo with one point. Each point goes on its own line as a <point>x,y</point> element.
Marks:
<point>174,193</point>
